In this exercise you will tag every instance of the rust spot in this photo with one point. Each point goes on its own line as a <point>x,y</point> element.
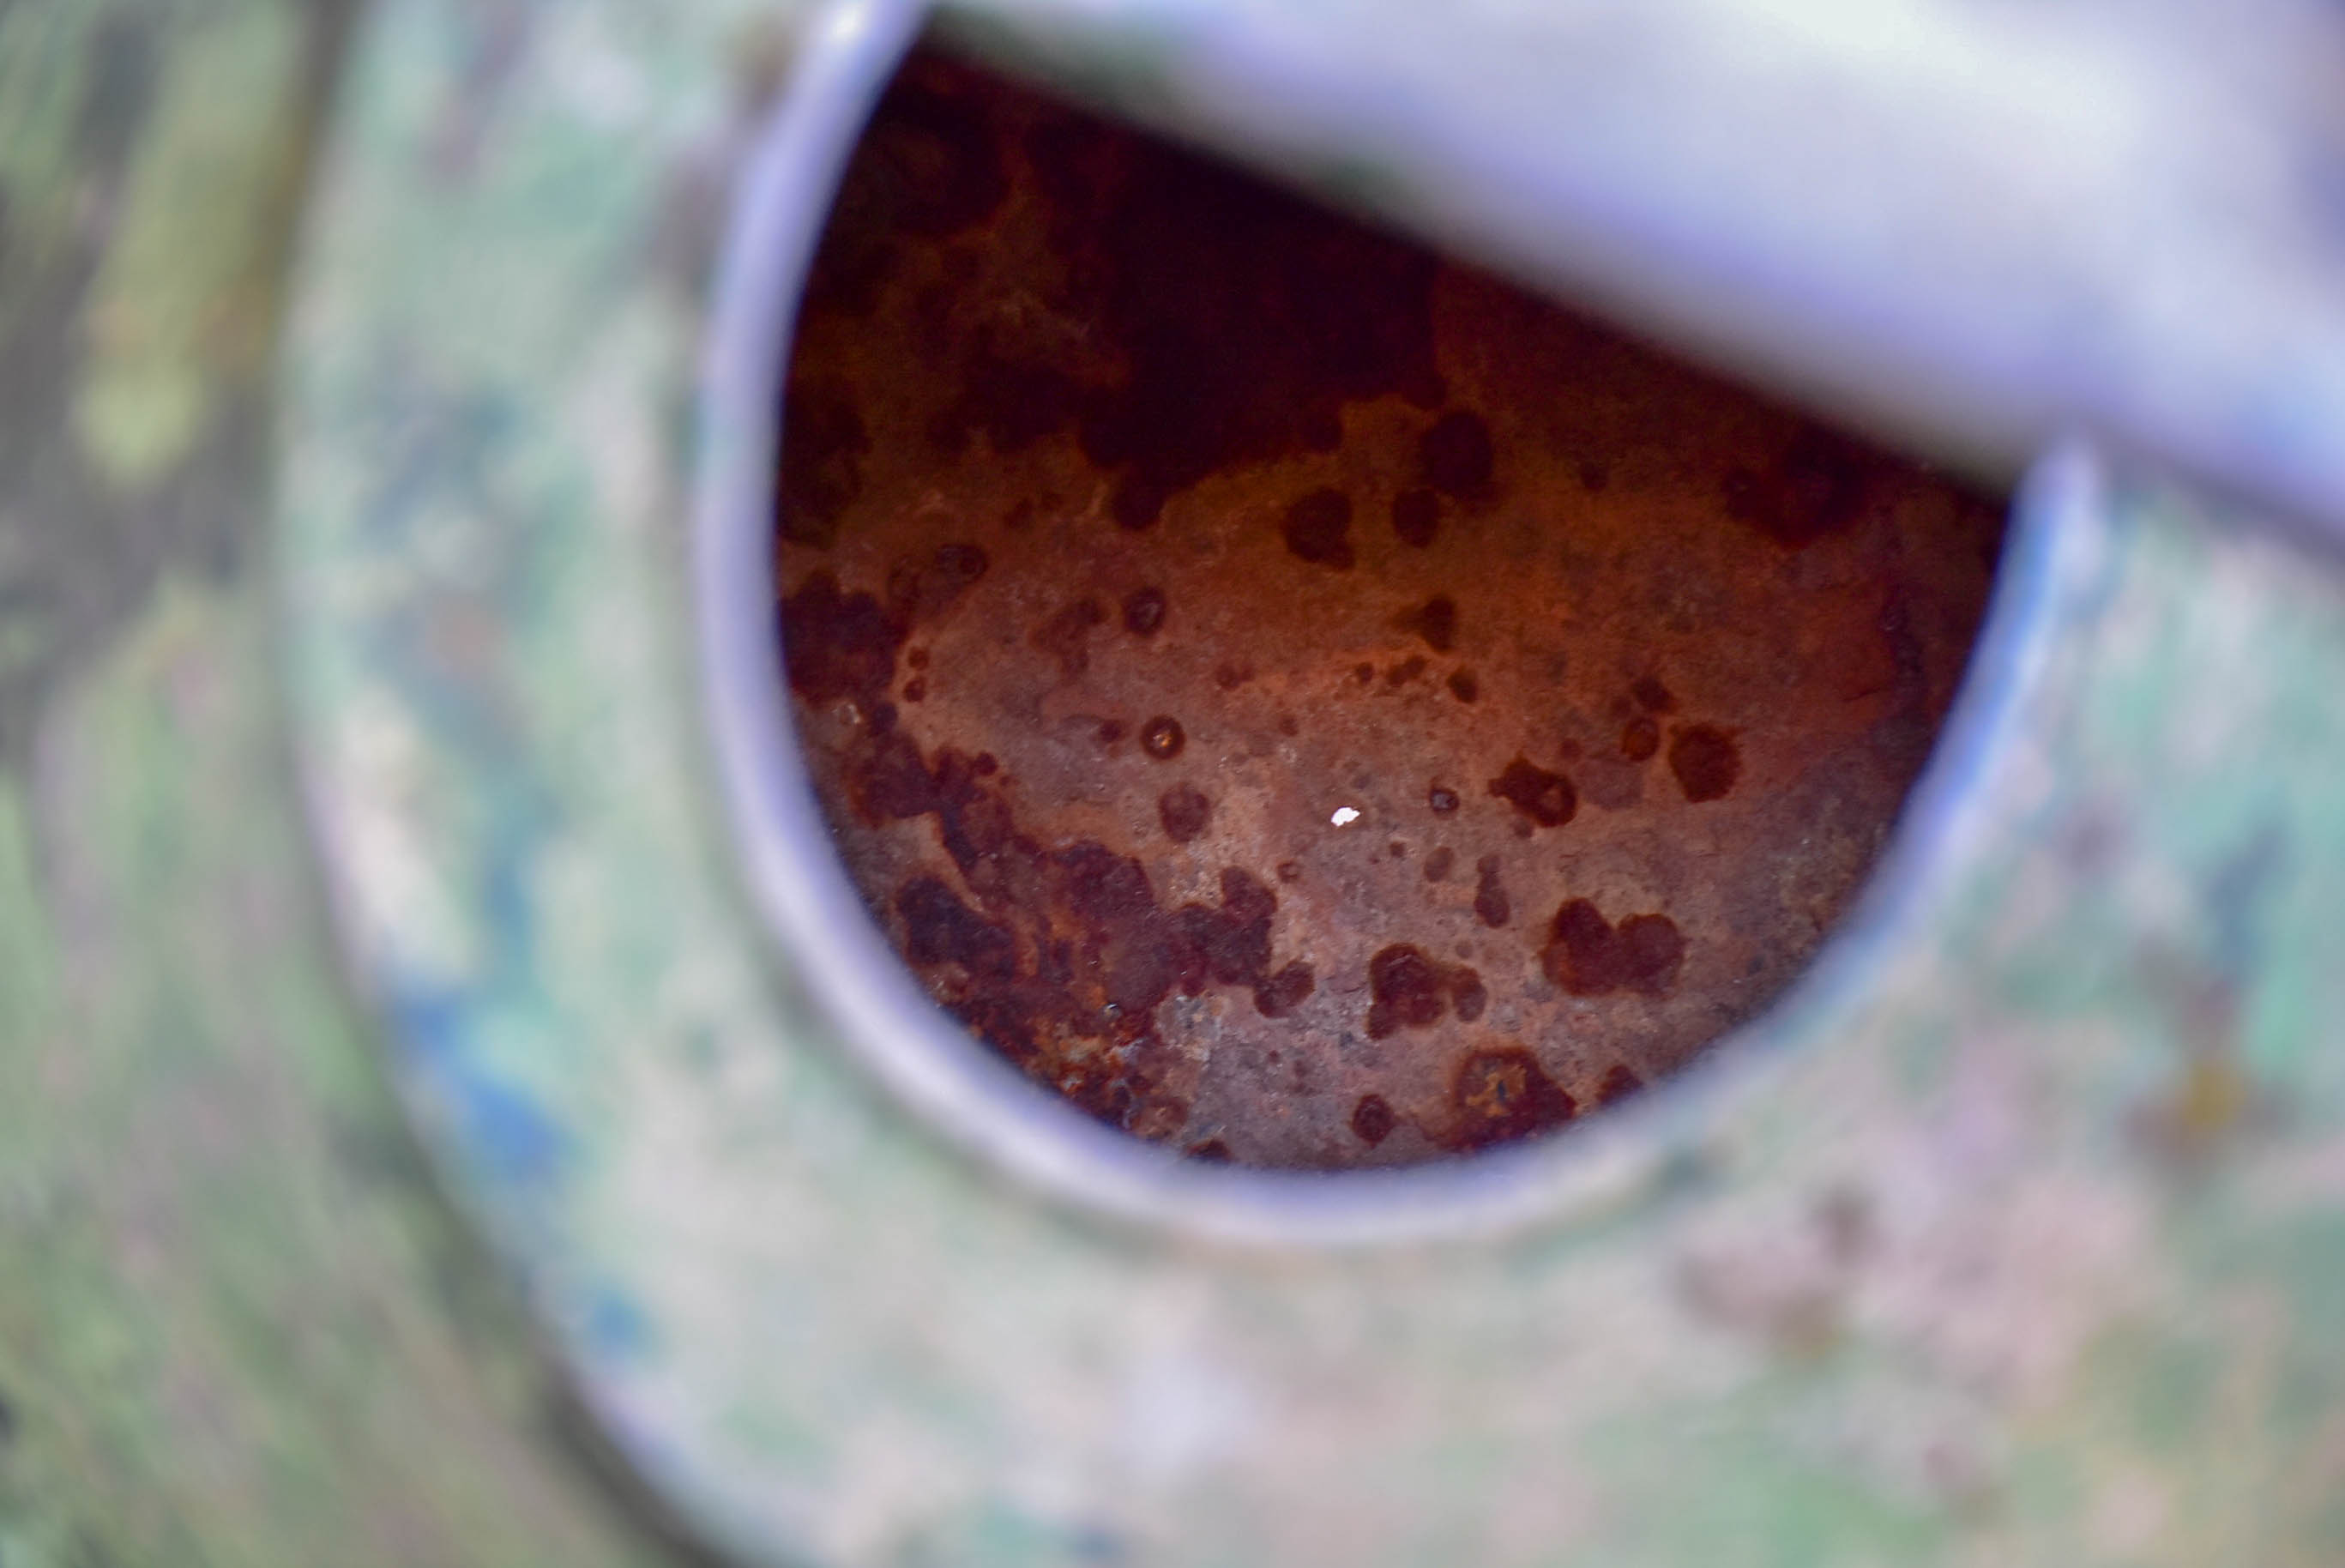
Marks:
<point>1407,671</point>
<point>1372,1120</point>
<point>1619,1084</point>
<point>1065,636</point>
<point>1436,621</point>
<point>1288,726</point>
<point>1317,528</point>
<point>1441,801</point>
<point>1641,738</point>
<point>1547,799</point>
<point>1466,994</point>
<point>940,929</point>
<point>1437,864</point>
<point>1653,696</point>
<point>1143,612</point>
<point>1283,993</point>
<point>1162,737</point>
<point>1210,1152</point>
<point>915,689</point>
<point>1490,904</point>
<point>923,591</point>
<point>821,472</point>
<point>1416,517</point>
<point>1463,686</point>
<point>1013,404</point>
<point>1594,477</point>
<point>1587,956</point>
<point>1184,812</point>
<point>1816,489</point>
<point>1229,675</point>
<point>1705,761</point>
<point>1212,287</point>
<point>839,645</point>
<point>1110,730</point>
<point>1502,1094</point>
<point>1409,990</point>
<point>917,659</point>
<point>1363,672</point>
<point>1455,456</point>
<point>1290,871</point>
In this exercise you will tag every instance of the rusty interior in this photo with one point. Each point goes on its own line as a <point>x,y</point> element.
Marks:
<point>1305,699</point>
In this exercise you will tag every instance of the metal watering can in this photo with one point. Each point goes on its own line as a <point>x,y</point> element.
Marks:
<point>2011,1234</point>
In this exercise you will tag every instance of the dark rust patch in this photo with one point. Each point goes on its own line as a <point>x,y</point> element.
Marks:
<point>921,591</point>
<point>940,929</point>
<point>1409,990</point>
<point>1143,612</point>
<point>1184,812</point>
<point>1284,992</point>
<point>1455,456</point>
<point>821,468</point>
<point>1588,955</point>
<point>1641,738</point>
<point>1437,864</point>
<point>1653,696</point>
<point>1407,671</point>
<point>1213,286</point>
<point>839,645</point>
<point>1706,762</point>
<point>1066,637</point>
<point>1467,994</point>
<point>1415,517</point>
<point>1162,737</point>
<point>1619,1084</point>
<point>1441,801</point>
<point>1543,798</point>
<point>1436,621</point>
<point>1372,1120</point>
<point>1463,686</point>
<point>1491,906</point>
<point>1502,1094</point>
<point>1815,489</point>
<point>1317,528</point>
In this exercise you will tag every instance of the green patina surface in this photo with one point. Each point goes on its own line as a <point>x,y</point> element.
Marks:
<point>237,1324</point>
<point>2023,1247</point>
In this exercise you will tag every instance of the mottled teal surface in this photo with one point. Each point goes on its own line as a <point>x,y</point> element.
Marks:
<point>2023,1241</point>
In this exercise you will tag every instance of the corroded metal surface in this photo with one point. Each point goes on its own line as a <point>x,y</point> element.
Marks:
<point>1309,700</point>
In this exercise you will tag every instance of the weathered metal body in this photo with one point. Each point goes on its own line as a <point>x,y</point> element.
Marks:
<point>2014,1234</point>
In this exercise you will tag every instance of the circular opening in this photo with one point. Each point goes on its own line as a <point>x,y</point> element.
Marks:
<point>1263,697</point>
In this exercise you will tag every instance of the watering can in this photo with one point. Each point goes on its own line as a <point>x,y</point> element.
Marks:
<point>438,1121</point>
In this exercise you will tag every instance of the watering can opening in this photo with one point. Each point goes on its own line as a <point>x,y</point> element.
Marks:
<point>1300,699</point>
